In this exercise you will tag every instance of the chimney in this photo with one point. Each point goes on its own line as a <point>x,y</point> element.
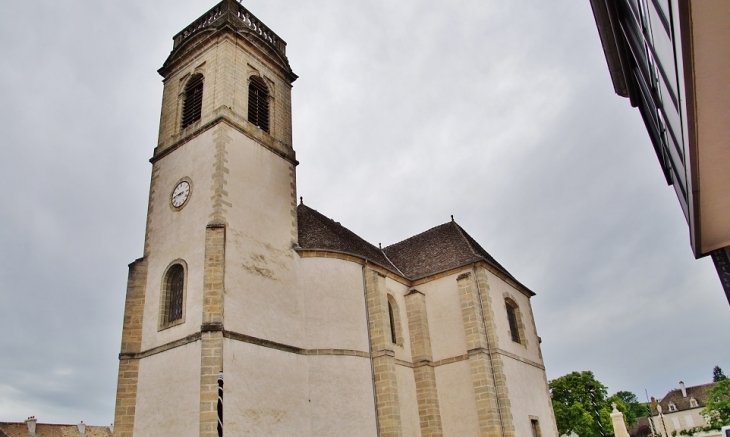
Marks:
<point>31,421</point>
<point>683,388</point>
<point>82,428</point>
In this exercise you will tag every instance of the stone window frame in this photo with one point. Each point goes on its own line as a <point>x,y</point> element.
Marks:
<point>183,99</point>
<point>535,426</point>
<point>394,321</point>
<point>693,403</point>
<point>510,303</point>
<point>257,80</point>
<point>165,296</point>
<point>672,407</point>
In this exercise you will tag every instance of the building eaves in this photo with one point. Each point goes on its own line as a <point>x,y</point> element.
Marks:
<point>319,232</point>
<point>698,392</point>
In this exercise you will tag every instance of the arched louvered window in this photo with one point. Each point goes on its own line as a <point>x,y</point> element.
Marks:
<point>192,100</point>
<point>173,295</point>
<point>512,317</point>
<point>258,103</point>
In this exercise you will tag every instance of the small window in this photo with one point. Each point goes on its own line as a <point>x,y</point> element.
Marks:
<point>693,403</point>
<point>512,317</point>
<point>396,335</point>
<point>392,324</point>
<point>258,103</point>
<point>192,100</point>
<point>173,296</point>
<point>672,406</point>
<point>535,426</point>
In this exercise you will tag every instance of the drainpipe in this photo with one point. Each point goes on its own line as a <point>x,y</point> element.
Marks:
<point>489,350</point>
<point>370,348</point>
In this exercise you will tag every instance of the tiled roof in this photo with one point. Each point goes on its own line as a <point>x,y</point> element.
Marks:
<point>319,232</point>
<point>698,392</point>
<point>436,250</point>
<point>52,430</point>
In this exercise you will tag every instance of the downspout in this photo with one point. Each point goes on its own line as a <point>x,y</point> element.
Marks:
<point>370,348</point>
<point>489,350</point>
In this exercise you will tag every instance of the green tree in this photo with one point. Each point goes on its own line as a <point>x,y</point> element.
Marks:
<point>718,375</point>
<point>576,398</point>
<point>717,407</point>
<point>628,404</point>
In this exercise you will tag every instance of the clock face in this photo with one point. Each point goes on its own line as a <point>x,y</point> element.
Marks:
<point>180,194</point>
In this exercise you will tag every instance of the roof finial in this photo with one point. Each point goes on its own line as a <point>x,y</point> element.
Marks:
<point>301,200</point>
<point>380,246</point>
<point>452,217</point>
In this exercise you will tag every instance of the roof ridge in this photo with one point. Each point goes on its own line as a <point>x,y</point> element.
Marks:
<point>415,236</point>
<point>392,263</point>
<point>466,240</point>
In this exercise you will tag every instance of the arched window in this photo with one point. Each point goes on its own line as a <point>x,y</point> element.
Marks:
<point>396,335</point>
<point>258,103</point>
<point>392,323</point>
<point>173,296</point>
<point>192,100</point>
<point>513,315</point>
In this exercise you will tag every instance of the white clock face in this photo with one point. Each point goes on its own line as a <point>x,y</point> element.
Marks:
<point>180,194</point>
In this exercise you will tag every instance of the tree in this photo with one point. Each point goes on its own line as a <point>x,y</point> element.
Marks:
<point>717,407</point>
<point>642,431</point>
<point>576,398</point>
<point>718,375</point>
<point>628,404</point>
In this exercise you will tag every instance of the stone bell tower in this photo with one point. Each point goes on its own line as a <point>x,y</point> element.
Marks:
<point>218,265</point>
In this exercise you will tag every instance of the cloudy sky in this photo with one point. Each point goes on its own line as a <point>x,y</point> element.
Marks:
<point>501,113</point>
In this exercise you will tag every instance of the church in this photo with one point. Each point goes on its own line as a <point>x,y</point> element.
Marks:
<point>253,314</point>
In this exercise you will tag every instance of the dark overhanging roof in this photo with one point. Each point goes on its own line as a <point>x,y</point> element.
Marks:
<point>439,249</point>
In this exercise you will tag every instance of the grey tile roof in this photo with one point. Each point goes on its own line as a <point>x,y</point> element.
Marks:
<point>698,392</point>
<point>318,232</point>
<point>436,250</point>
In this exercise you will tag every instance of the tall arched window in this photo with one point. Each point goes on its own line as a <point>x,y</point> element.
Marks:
<point>513,314</point>
<point>258,103</point>
<point>173,296</point>
<point>396,334</point>
<point>192,100</point>
<point>392,324</point>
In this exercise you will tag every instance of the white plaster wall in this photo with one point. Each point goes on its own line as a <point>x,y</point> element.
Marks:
<point>497,290</point>
<point>697,420</point>
<point>265,392</point>
<point>456,400</point>
<point>410,422</point>
<point>262,298</point>
<point>529,396</point>
<point>334,299</point>
<point>178,235</point>
<point>398,291</point>
<point>341,397</point>
<point>446,325</point>
<point>168,393</point>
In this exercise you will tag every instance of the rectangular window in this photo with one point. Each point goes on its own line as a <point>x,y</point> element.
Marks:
<point>535,428</point>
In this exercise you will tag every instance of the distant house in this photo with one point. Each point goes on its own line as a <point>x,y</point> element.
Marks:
<point>31,427</point>
<point>680,409</point>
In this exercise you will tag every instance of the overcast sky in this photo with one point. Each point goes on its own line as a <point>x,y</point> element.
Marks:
<point>501,113</point>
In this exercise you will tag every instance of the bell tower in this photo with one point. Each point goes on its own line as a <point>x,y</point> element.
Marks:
<point>218,268</point>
